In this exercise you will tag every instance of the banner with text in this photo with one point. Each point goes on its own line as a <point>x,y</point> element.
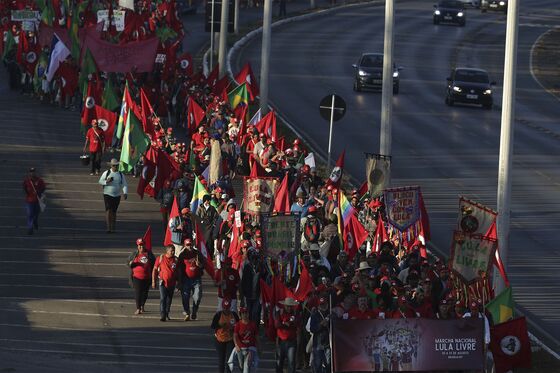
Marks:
<point>403,206</point>
<point>471,254</point>
<point>475,218</point>
<point>404,345</point>
<point>280,232</point>
<point>117,19</point>
<point>258,194</point>
<point>25,15</point>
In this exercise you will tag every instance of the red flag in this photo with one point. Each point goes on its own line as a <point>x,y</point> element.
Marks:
<point>185,63</point>
<point>148,114</point>
<point>363,189</point>
<point>201,246</point>
<point>424,220</point>
<point>221,85</point>
<point>106,120</point>
<point>493,234</point>
<point>158,167</point>
<point>268,303</point>
<point>354,236</point>
<point>148,238</point>
<point>380,235</point>
<point>212,78</point>
<point>195,114</point>
<point>246,76</point>
<point>173,214</point>
<point>282,199</point>
<point>234,251</point>
<point>267,125</point>
<point>166,168</point>
<point>148,172</point>
<point>93,97</point>
<point>281,144</point>
<point>305,284</point>
<point>335,177</point>
<point>510,345</point>
<point>279,290</point>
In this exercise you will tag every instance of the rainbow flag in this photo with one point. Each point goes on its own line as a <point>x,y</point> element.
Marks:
<point>199,191</point>
<point>346,209</point>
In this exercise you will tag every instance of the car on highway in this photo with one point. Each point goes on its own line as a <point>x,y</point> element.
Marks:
<point>470,86</point>
<point>450,11</point>
<point>471,3</point>
<point>499,5</point>
<point>369,73</point>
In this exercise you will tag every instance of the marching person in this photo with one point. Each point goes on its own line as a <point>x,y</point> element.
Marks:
<point>227,280</point>
<point>95,137</point>
<point>319,325</point>
<point>246,339</point>
<point>34,187</point>
<point>223,324</point>
<point>181,228</point>
<point>287,325</point>
<point>165,275</point>
<point>191,265</point>
<point>113,181</point>
<point>207,215</point>
<point>141,262</point>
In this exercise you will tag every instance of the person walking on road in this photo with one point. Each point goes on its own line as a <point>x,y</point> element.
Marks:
<point>191,265</point>
<point>165,275</point>
<point>287,325</point>
<point>223,324</point>
<point>95,137</point>
<point>34,187</point>
<point>181,228</point>
<point>141,262</point>
<point>207,216</point>
<point>246,339</point>
<point>113,181</point>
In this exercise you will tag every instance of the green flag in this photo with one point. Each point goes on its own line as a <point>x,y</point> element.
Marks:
<point>110,101</point>
<point>501,307</point>
<point>164,33</point>
<point>238,95</point>
<point>88,67</point>
<point>47,13</point>
<point>9,44</point>
<point>135,143</point>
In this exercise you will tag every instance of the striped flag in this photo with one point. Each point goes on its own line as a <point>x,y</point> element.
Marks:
<point>199,191</point>
<point>346,209</point>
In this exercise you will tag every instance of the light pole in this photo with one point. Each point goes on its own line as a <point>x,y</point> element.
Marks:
<point>223,37</point>
<point>212,36</point>
<point>506,138</point>
<point>387,87</point>
<point>236,18</point>
<point>265,56</point>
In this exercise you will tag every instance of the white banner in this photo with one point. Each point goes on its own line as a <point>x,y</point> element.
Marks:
<point>25,15</point>
<point>310,160</point>
<point>118,19</point>
<point>127,4</point>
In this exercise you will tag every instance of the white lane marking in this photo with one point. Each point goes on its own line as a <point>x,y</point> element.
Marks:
<point>46,250</point>
<point>62,263</point>
<point>89,301</point>
<point>64,287</point>
<point>531,67</point>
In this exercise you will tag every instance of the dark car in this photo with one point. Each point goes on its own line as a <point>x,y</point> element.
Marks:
<point>470,86</point>
<point>369,73</point>
<point>450,11</point>
<point>499,5</point>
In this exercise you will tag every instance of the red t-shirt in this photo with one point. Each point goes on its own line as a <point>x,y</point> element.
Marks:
<point>192,271</point>
<point>33,188</point>
<point>287,326</point>
<point>144,270</point>
<point>356,314</point>
<point>407,314</point>
<point>96,140</point>
<point>167,270</point>
<point>231,284</point>
<point>246,333</point>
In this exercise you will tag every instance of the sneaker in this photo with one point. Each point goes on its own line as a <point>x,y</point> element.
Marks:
<point>142,310</point>
<point>138,312</point>
<point>193,316</point>
<point>168,318</point>
<point>91,174</point>
<point>97,172</point>
<point>187,317</point>
<point>162,318</point>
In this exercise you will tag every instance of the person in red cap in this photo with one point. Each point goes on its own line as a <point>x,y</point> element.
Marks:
<point>95,137</point>
<point>190,270</point>
<point>223,324</point>
<point>287,324</point>
<point>227,280</point>
<point>34,187</point>
<point>246,339</point>
<point>474,312</point>
<point>444,310</point>
<point>141,262</point>
<point>403,310</point>
<point>165,275</point>
<point>319,325</point>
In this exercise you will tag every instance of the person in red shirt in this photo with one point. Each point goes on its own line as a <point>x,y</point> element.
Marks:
<point>223,324</point>
<point>246,339</point>
<point>191,265</point>
<point>165,274</point>
<point>287,325</point>
<point>141,262</point>
<point>361,311</point>
<point>34,187</point>
<point>227,280</point>
<point>403,310</point>
<point>95,137</point>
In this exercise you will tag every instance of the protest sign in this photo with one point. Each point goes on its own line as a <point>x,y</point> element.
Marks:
<point>402,206</point>
<point>25,15</point>
<point>117,21</point>
<point>471,254</point>
<point>403,345</point>
<point>281,232</point>
<point>475,218</point>
<point>258,194</point>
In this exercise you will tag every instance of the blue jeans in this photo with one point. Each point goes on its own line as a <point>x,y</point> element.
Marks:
<point>165,299</point>
<point>191,287</point>
<point>286,349</point>
<point>33,210</point>
<point>320,363</point>
<point>245,358</point>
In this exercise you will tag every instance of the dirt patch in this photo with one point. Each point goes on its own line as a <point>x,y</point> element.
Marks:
<point>546,61</point>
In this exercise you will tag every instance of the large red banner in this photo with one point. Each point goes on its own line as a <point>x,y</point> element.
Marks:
<point>405,345</point>
<point>137,56</point>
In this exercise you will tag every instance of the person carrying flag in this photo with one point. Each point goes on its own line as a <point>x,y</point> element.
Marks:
<point>190,270</point>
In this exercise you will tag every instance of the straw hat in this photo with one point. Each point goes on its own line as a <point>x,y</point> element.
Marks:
<point>289,302</point>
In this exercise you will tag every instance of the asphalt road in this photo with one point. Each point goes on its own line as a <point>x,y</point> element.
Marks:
<point>448,151</point>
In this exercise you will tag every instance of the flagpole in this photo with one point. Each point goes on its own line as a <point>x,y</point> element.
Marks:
<point>223,37</point>
<point>331,333</point>
<point>330,134</point>
<point>387,88</point>
<point>265,56</point>
<point>212,36</point>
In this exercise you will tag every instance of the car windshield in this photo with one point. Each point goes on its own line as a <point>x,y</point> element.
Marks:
<point>450,4</point>
<point>471,76</point>
<point>372,61</point>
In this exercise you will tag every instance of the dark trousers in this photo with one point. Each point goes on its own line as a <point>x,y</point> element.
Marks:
<point>254,309</point>
<point>286,350</point>
<point>95,159</point>
<point>191,287</point>
<point>224,350</point>
<point>165,299</point>
<point>33,210</point>
<point>141,289</point>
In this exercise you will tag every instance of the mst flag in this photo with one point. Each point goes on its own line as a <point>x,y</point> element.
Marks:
<point>501,307</point>
<point>172,215</point>
<point>246,76</point>
<point>106,120</point>
<point>238,96</point>
<point>135,142</point>
<point>510,345</point>
<point>354,236</point>
<point>282,199</point>
<point>267,125</point>
<point>92,98</point>
<point>195,115</point>
<point>335,177</point>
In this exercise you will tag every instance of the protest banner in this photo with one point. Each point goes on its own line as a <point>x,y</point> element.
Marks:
<point>403,345</point>
<point>475,218</point>
<point>281,232</point>
<point>117,20</point>
<point>258,194</point>
<point>377,169</point>
<point>25,15</point>
<point>403,207</point>
<point>471,254</point>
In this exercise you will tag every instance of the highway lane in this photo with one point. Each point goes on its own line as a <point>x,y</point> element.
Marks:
<point>447,150</point>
